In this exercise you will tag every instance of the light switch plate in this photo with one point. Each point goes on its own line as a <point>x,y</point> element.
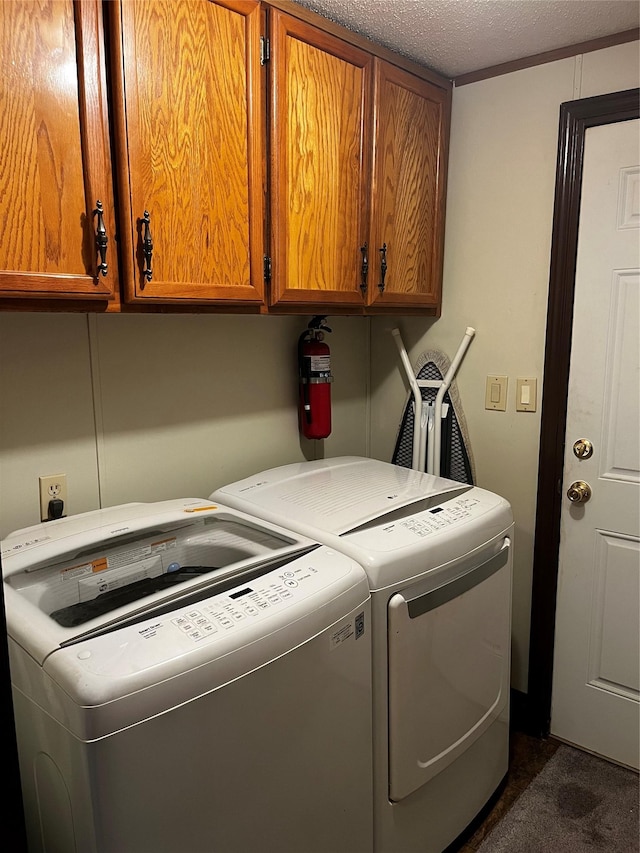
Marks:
<point>526,395</point>
<point>496,393</point>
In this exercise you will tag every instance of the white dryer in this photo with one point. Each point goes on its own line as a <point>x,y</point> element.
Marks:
<point>187,678</point>
<point>438,555</point>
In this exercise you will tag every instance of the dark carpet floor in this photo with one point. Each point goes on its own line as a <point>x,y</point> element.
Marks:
<point>577,803</point>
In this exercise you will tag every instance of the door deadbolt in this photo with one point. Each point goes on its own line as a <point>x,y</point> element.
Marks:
<point>579,492</point>
<point>583,448</point>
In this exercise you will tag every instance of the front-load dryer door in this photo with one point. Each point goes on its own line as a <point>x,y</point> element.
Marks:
<point>449,655</point>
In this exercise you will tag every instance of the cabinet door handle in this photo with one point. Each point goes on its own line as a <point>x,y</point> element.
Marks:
<point>383,266</point>
<point>101,240</point>
<point>365,268</point>
<point>147,247</point>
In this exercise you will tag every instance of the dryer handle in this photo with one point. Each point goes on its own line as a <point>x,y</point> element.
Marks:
<point>453,588</point>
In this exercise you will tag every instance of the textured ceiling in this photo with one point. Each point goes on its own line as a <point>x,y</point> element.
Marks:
<point>455,37</point>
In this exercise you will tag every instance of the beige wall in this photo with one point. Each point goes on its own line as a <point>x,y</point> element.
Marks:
<point>142,408</point>
<point>498,238</point>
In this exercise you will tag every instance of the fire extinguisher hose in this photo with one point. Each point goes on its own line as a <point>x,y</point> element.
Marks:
<point>305,385</point>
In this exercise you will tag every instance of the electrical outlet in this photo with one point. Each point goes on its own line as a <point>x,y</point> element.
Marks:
<point>52,488</point>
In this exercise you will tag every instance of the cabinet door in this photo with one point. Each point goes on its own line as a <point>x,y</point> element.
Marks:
<point>320,142</point>
<point>409,182</point>
<point>190,139</point>
<point>55,160</point>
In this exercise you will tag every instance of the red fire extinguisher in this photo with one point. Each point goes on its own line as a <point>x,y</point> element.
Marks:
<point>314,370</point>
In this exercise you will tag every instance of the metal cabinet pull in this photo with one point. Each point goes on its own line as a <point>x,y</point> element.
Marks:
<point>383,266</point>
<point>364,268</point>
<point>147,247</point>
<point>101,240</point>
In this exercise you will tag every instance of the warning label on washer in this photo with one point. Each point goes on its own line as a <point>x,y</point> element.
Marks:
<point>341,635</point>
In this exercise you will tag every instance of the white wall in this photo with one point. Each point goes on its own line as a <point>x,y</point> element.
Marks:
<point>496,270</point>
<point>159,406</point>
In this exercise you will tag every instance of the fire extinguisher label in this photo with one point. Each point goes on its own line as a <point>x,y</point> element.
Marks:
<point>320,363</point>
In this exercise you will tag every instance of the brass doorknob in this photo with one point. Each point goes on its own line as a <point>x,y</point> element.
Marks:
<point>583,448</point>
<point>579,492</point>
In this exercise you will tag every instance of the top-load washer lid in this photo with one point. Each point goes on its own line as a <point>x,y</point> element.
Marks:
<point>87,574</point>
<point>342,494</point>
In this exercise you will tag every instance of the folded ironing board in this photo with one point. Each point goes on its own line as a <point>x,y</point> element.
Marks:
<point>456,458</point>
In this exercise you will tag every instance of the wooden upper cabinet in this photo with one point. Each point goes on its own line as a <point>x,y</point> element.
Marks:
<point>54,151</point>
<point>190,138</point>
<point>357,155</point>
<point>408,190</point>
<point>358,172</point>
<point>320,155</point>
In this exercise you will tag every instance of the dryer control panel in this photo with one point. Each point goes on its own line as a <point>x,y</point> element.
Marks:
<point>464,514</point>
<point>397,550</point>
<point>441,517</point>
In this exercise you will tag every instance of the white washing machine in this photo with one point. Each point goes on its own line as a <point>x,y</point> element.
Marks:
<point>438,555</point>
<point>187,678</point>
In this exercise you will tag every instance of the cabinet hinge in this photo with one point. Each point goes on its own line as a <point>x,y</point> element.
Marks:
<point>265,50</point>
<point>267,268</point>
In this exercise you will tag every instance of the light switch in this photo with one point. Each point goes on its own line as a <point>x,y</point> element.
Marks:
<point>496,393</point>
<point>526,395</point>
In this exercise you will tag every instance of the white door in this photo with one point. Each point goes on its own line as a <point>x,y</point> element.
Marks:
<point>596,679</point>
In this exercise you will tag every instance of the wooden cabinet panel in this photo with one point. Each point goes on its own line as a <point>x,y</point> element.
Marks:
<point>190,137</point>
<point>55,161</point>
<point>409,173</point>
<point>320,154</point>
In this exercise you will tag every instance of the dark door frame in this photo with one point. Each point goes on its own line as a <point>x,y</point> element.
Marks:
<point>576,117</point>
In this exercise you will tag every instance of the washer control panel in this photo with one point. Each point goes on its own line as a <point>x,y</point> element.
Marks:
<point>248,602</point>
<point>210,638</point>
<point>254,607</point>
